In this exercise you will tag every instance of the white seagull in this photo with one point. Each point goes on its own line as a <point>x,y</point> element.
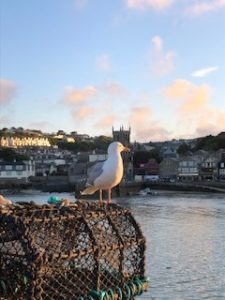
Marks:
<point>107,174</point>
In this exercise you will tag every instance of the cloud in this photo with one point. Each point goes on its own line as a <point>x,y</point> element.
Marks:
<point>212,121</point>
<point>195,114</point>
<point>106,122</point>
<point>163,62</point>
<point>140,114</point>
<point>7,91</point>
<point>148,4</point>
<point>78,96</point>
<point>103,62</point>
<point>194,7</point>
<point>143,125</point>
<point>114,89</point>
<point>191,97</point>
<point>204,72</point>
<point>204,6</point>
<point>83,113</point>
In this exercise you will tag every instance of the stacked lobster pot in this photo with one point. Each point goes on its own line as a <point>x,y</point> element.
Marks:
<point>81,251</point>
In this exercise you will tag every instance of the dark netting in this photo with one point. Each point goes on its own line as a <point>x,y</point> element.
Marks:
<point>48,252</point>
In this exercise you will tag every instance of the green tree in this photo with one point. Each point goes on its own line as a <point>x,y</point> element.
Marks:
<point>183,149</point>
<point>141,157</point>
<point>102,142</point>
<point>8,154</point>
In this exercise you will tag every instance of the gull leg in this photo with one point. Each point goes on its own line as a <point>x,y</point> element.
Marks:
<point>109,196</point>
<point>100,196</point>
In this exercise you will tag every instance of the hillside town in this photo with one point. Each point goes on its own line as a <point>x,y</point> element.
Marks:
<point>49,161</point>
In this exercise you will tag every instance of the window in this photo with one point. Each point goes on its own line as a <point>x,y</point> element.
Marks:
<point>19,173</point>
<point>8,173</point>
<point>8,167</point>
<point>20,167</point>
<point>184,170</point>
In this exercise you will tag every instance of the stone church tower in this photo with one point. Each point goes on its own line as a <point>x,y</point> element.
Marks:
<point>123,136</point>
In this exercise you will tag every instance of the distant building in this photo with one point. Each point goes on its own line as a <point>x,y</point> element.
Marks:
<point>123,136</point>
<point>209,167</point>
<point>221,168</point>
<point>188,169</point>
<point>20,142</point>
<point>17,170</point>
<point>168,168</point>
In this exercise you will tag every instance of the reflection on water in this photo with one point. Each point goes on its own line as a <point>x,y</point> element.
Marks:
<point>185,243</point>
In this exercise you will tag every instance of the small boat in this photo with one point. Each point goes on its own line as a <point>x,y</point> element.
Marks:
<point>145,192</point>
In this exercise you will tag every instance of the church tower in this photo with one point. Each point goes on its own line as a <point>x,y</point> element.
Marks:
<point>122,136</point>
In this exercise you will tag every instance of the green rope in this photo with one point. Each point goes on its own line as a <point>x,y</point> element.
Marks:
<point>131,289</point>
<point>3,285</point>
<point>119,293</point>
<point>101,295</point>
<point>128,292</point>
<point>25,280</point>
<point>111,294</point>
<point>138,283</point>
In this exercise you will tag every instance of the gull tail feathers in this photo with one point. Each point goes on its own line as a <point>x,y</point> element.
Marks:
<point>89,190</point>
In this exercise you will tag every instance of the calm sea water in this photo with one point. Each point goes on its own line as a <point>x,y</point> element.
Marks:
<point>185,242</point>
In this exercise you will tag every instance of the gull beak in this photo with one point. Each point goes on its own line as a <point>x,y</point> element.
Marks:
<point>126,149</point>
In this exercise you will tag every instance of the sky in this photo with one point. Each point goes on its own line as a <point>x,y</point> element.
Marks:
<point>157,66</point>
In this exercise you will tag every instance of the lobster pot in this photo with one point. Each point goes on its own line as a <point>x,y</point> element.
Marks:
<point>49,252</point>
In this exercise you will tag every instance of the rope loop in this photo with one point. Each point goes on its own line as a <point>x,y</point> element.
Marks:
<point>119,293</point>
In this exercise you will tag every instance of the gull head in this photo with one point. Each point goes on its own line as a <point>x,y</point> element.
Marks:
<point>117,147</point>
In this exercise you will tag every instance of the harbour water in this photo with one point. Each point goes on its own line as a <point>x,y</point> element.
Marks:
<point>185,242</point>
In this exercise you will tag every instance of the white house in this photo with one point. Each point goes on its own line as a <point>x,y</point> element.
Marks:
<point>188,169</point>
<point>17,170</point>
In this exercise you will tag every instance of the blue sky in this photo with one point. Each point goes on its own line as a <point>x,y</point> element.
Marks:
<point>88,65</point>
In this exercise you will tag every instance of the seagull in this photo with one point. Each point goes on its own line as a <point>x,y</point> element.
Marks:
<point>107,174</point>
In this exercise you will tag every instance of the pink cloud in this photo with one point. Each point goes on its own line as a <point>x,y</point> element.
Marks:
<point>201,7</point>
<point>143,125</point>
<point>106,122</point>
<point>195,114</point>
<point>212,121</point>
<point>83,113</point>
<point>140,115</point>
<point>148,4</point>
<point>192,98</point>
<point>7,91</point>
<point>78,96</point>
<point>114,89</point>
<point>153,132</point>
